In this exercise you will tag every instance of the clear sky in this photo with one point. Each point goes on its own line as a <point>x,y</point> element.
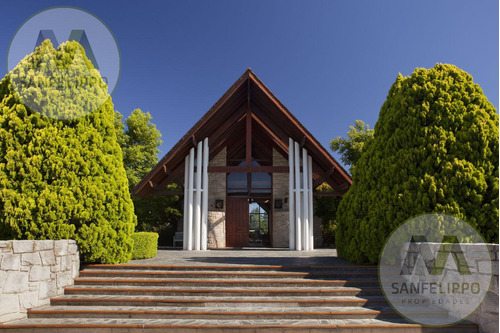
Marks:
<point>330,62</point>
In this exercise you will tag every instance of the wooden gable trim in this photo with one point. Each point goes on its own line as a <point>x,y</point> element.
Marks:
<point>221,127</point>
<point>297,123</point>
<point>213,110</point>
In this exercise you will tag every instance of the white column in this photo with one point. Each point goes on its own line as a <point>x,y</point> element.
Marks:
<point>185,215</point>
<point>197,202</point>
<point>291,196</point>
<point>190,201</point>
<point>311,204</point>
<point>204,199</point>
<point>298,225</point>
<point>305,203</point>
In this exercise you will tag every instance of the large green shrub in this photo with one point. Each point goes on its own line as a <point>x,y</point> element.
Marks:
<point>61,170</point>
<point>145,245</point>
<point>435,149</point>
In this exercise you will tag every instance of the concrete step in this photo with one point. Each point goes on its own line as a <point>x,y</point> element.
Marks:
<point>324,275</point>
<point>219,291</point>
<point>216,312</point>
<point>222,301</point>
<point>241,282</point>
<point>237,268</point>
<point>79,325</point>
<point>211,312</point>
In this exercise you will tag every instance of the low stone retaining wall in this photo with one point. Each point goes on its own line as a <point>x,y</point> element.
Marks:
<point>486,315</point>
<point>33,271</point>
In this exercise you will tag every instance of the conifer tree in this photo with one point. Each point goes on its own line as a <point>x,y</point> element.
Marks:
<point>435,149</point>
<point>351,148</point>
<point>140,141</point>
<point>61,168</point>
<point>141,145</point>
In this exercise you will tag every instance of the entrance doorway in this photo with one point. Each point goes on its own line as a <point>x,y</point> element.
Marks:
<point>248,197</point>
<point>247,222</point>
<point>259,222</point>
<point>237,222</point>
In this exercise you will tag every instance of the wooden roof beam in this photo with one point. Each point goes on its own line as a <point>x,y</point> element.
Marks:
<point>247,169</point>
<point>175,150</point>
<point>270,124</point>
<point>276,139</point>
<point>248,141</point>
<point>221,133</point>
<point>317,146</point>
<point>222,141</point>
<point>170,178</point>
<point>303,142</point>
<point>264,141</point>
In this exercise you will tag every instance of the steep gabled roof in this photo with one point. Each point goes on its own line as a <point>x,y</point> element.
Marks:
<point>224,124</point>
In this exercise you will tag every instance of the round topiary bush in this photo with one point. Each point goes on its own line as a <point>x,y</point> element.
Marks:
<point>145,245</point>
<point>435,149</point>
<point>61,170</point>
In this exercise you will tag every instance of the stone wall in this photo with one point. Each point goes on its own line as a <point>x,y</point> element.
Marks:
<point>280,221</point>
<point>31,272</point>
<point>217,191</point>
<point>486,315</point>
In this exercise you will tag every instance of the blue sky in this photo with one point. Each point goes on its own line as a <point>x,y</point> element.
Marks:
<point>330,62</point>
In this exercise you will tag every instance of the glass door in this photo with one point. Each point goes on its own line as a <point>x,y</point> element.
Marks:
<point>259,222</point>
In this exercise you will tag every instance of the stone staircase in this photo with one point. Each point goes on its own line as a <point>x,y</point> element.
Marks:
<point>138,298</point>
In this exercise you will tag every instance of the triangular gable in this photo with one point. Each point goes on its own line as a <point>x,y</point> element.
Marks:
<point>224,123</point>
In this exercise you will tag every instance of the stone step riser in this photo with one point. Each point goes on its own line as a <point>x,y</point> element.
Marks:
<point>228,275</point>
<point>215,316</point>
<point>228,315</point>
<point>219,303</point>
<point>227,283</point>
<point>233,329</point>
<point>222,293</point>
<point>235,268</point>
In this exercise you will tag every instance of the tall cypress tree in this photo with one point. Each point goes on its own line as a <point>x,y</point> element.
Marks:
<point>435,150</point>
<point>61,168</point>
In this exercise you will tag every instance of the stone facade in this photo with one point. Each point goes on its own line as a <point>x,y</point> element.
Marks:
<point>217,191</point>
<point>279,217</point>
<point>280,220</point>
<point>31,272</point>
<point>486,315</point>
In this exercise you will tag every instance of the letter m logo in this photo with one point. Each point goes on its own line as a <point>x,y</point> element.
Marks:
<point>77,35</point>
<point>435,265</point>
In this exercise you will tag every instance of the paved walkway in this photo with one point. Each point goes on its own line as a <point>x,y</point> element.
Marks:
<point>251,256</point>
